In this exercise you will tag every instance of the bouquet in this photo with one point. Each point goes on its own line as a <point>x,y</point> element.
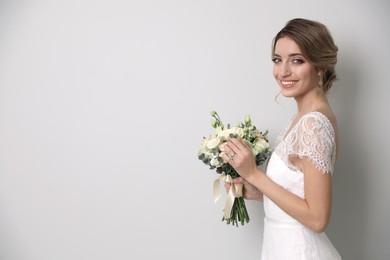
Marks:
<point>209,153</point>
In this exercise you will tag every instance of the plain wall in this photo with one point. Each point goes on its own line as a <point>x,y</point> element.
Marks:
<point>103,105</point>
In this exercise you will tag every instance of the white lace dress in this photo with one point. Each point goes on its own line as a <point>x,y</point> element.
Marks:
<point>284,237</point>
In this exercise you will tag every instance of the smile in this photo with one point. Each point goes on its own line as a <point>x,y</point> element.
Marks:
<point>286,83</point>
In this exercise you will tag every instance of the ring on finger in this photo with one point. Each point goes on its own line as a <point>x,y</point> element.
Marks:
<point>231,157</point>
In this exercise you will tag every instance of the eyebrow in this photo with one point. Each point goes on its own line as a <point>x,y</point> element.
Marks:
<point>290,55</point>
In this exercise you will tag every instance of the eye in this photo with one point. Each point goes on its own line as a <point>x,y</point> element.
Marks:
<point>298,61</point>
<point>276,60</point>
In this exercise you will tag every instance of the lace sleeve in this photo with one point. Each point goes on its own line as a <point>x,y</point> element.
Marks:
<point>281,135</point>
<point>314,138</point>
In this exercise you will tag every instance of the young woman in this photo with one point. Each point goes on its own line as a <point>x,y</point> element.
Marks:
<point>297,187</point>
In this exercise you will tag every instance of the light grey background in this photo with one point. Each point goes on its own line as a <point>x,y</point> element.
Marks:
<point>103,105</point>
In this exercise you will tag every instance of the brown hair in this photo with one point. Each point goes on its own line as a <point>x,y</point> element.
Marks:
<point>316,45</point>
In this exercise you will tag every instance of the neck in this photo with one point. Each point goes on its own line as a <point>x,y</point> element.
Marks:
<point>310,102</point>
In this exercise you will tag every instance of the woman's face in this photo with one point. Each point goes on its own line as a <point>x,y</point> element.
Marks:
<point>295,75</point>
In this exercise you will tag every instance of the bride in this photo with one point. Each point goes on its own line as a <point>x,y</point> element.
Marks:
<point>296,189</point>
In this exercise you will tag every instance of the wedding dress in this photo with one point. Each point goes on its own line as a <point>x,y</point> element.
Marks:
<point>284,237</point>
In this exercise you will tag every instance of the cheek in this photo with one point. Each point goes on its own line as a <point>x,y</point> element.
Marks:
<point>275,72</point>
<point>311,78</point>
<point>306,73</point>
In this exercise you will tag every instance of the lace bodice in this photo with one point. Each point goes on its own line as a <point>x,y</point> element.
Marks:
<point>313,137</point>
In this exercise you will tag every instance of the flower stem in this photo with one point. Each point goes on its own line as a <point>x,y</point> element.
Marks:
<point>239,213</point>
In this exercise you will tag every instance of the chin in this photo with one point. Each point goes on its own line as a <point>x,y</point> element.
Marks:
<point>286,93</point>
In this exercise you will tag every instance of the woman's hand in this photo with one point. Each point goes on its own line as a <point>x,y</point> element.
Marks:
<point>249,191</point>
<point>237,153</point>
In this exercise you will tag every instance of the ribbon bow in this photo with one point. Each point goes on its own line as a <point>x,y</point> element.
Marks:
<point>235,191</point>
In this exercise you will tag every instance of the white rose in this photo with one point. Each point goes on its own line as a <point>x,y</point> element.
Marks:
<point>260,146</point>
<point>212,143</point>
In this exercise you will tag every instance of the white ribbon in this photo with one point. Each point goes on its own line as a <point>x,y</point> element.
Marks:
<point>235,191</point>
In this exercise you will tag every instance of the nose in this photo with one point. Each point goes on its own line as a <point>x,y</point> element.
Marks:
<point>284,69</point>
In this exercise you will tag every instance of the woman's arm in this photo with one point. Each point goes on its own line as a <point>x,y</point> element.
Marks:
<point>313,211</point>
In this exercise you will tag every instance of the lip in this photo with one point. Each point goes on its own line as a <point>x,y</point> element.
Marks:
<point>288,83</point>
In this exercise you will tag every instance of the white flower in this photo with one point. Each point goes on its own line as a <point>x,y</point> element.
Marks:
<point>260,146</point>
<point>206,153</point>
<point>215,162</point>
<point>213,143</point>
<point>218,129</point>
<point>204,150</point>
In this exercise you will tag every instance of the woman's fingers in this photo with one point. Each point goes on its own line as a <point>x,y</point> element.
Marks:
<point>227,186</point>
<point>237,144</point>
<point>228,150</point>
<point>249,191</point>
<point>238,180</point>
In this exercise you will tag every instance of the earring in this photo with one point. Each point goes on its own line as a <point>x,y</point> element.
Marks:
<point>320,83</point>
